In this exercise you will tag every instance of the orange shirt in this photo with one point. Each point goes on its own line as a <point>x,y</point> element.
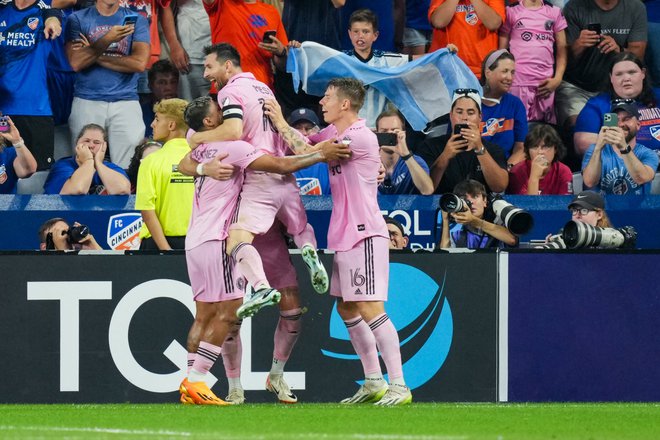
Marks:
<point>468,32</point>
<point>243,26</point>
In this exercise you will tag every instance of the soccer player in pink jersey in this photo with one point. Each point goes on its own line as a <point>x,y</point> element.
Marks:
<point>217,289</point>
<point>265,198</point>
<point>360,239</point>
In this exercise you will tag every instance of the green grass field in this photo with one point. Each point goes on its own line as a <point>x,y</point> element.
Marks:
<point>430,421</point>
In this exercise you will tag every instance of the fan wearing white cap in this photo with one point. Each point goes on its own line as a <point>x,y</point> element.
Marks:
<point>617,163</point>
<point>463,154</point>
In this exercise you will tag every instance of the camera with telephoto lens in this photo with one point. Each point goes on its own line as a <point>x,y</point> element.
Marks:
<point>582,235</point>
<point>77,233</point>
<point>452,203</point>
<point>516,220</point>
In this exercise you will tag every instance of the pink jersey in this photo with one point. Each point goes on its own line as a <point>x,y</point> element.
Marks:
<point>355,212</point>
<point>532,38</point>
<point>243,97</point>
<point>214,202</point>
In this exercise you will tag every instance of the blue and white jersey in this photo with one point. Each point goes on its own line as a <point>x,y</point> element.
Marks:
<point>23,54</point>
<point>375,101</point>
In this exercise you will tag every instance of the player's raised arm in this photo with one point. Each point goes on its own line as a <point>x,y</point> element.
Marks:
<point>291,136</point>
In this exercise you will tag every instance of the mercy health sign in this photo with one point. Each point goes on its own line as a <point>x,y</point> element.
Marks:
<point>112,328</point>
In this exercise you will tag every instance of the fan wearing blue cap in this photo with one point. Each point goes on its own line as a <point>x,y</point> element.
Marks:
<point>314,180</point>
<point>617,163</point>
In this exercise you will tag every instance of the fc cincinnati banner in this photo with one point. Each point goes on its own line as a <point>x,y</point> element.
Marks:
<point>421,89</point>
<point>112,328</point>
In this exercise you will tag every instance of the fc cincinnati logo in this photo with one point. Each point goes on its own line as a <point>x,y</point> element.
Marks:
<point>471,18</point>
<point>424,322</point>
<point>124,231</point>
<point>655,132</point>
<point>33,22</point>
<point>492,126</point>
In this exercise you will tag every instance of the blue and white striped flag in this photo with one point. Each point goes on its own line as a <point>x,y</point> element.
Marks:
<point>421,89</point>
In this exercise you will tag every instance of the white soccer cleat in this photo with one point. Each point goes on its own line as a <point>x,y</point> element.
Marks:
<point>276,384</point>
<point>266,296</point>
<point>235,397</point>
<point>368,393</point>
<point>317,272</point>
<point>396,395</point>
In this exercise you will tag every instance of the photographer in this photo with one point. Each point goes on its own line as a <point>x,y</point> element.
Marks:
<point>475,228</point>
<point>587,207</point>
<point>16,161</point>
<point>56,234</point>
<point>398,237</point>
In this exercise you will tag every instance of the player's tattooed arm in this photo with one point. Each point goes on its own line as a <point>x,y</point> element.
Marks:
<point>290,135</point>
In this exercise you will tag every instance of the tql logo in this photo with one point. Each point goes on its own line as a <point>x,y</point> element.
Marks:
<point>418,308</point>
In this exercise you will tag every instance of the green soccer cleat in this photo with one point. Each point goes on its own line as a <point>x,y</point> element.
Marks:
<point>396,395</point>
<point>317,272</point>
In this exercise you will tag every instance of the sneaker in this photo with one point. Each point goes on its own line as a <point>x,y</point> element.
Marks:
<point>396,395</point>
<point>276,384</point>
<point>235,397</point>
<point>317,272</point>
<point>266,296</point>
<point>368,393</point>
<point>199,394</point>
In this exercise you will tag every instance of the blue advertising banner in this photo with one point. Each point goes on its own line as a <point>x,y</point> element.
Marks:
<point>584,326</point>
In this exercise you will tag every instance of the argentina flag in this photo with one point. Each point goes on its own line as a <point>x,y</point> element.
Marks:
<point>420,89</point>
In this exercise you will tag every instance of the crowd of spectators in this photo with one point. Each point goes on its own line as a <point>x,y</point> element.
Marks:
<point>565,87</point>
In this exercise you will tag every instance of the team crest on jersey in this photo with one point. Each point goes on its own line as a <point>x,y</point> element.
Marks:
<point>124,231</point>
<point>33,23</point>
<point>655,132</point>
<point>549,24</point>
<point>493,126</point>
<point>3,174</point>
<point>471,18</point>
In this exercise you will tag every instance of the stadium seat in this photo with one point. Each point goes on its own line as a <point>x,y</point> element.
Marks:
<point>33,184</point>
<point>577,183</point>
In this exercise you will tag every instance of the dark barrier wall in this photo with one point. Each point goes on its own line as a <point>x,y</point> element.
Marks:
<point>115,223</point>
<point>584,327</point>
<point>112,328</point>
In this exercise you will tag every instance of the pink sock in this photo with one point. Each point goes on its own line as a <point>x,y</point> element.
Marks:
<point>305,237</point>
<point>387,340</point>
<point>364,344</point>
<point>232,351</point>
<point>207,354</point>
<point>248,262</point>
<point>191,360</point>
<point>286,333</point>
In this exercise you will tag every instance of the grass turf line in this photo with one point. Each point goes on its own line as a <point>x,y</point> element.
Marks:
<point>424,421</point>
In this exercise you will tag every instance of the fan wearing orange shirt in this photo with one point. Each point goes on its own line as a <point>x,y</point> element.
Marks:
<point>469,24</point>
<point>243,23</point>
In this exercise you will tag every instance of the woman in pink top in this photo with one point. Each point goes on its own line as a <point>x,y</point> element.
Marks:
<point>541,172</point>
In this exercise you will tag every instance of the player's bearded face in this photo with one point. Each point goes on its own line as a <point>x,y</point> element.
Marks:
<point>215,71</point>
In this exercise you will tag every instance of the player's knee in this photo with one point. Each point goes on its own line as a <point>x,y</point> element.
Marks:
<point>346,310</point>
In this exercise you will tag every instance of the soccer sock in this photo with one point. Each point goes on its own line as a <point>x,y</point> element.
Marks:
<point>232,351</point>
<point>207,354</point>
<point>191,360</point>
<point>387,340</point>
<point>286,336</point>
<point>306,237</point>
<point>364,345</point>
<point>248,262</point>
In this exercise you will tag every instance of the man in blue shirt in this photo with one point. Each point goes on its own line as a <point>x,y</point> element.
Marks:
<point>108,57</point>
<point>26,30</point>
<point>616,163</point>
<point>88,172</point>
<point>405,173</point>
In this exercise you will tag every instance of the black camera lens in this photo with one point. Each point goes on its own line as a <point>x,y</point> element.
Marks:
<point>78,233</point>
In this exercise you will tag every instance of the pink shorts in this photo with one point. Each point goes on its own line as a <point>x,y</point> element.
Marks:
<point>362,273</point>
<point>538,109</point>
<point>275,257</point>
<point>265,197</point>
<point>212,274</point>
